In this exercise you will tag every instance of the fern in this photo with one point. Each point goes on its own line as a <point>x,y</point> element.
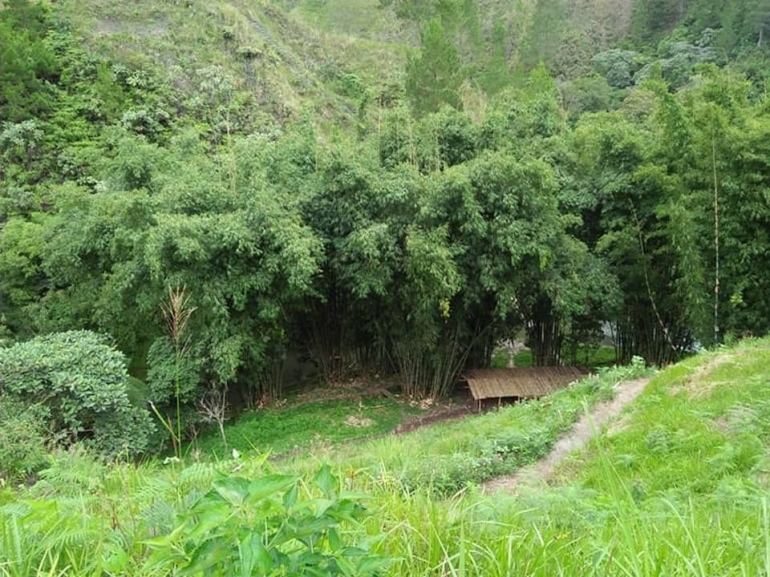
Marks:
<point>196,475</point>
<point>11,549</point>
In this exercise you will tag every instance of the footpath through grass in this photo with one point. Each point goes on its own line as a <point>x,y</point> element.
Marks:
<point>677,486</point>
<point>454,455</point>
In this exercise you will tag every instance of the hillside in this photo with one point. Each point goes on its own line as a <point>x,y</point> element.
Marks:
<point>273,61</point>
<point>241,49</point>
<point>677,484</point>
<point>323,57</point>
<point>299,52</point>
<point>242,240</point>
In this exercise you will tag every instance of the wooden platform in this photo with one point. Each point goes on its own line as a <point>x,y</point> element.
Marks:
<point>522,383</point>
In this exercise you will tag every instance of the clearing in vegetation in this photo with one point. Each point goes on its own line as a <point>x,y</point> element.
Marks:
<point>680,488</point>
<point>308,426</point>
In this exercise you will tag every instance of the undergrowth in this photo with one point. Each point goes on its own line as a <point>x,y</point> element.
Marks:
<point>677,486</point>
<point>230,518</point>
<point>453,455</point>
<point>301,427</point>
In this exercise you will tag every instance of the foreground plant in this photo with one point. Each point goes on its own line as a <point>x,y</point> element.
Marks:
<point>262,527</point>
<point>271,524</point>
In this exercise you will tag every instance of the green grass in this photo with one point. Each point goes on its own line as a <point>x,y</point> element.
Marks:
<point>319,427</point>
<point>361,18</point>
<point>569,532</point>
<point>452,455</point>
<point>701,429</point>
<point>589,357</point>
<point>307,426</point>
<point>678,486</point>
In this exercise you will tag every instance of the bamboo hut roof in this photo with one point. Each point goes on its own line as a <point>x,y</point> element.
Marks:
<point>524,383</point>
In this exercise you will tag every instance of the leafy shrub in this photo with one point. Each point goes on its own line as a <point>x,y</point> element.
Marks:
<point>262,527</point>
<point>82,382</point>
<point>22,440</point>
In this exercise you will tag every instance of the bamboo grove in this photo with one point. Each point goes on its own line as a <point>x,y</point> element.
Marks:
<point>409,246</point>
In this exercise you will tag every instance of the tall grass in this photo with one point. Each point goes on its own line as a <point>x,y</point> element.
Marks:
<point>563,532</point>
<point>677,487</point>
<point>572,531</point>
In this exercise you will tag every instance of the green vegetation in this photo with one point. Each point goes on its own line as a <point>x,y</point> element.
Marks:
<point>23,442</point>
<point>196,520</point>
<point>454,455</point>
<point>679,484</point>
<point>586,356</point>
<point>88,516</point>
<point>79,388</point>
<point>715,414</point>
<point>207,204</point>
<point>308,426</point>
<point>640,500</point>
<point>469,199</point>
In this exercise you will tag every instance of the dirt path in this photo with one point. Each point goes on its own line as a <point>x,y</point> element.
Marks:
<point>581,433</point>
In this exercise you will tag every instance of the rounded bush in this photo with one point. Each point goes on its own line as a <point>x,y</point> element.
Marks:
<point>82,381</point>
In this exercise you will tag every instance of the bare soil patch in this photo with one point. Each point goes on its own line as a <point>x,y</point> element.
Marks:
<point>441,413</point>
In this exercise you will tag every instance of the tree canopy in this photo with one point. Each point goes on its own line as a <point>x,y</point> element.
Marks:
<point>485,197</point>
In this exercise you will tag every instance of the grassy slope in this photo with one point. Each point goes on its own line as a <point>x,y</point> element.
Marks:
<point>710,416</point>
<point>677,487</point>
<point>453,455</point>
<point>306,50</point>
<point>296,69</point>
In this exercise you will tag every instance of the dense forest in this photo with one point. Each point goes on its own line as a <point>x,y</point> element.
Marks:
<point>203,199</point>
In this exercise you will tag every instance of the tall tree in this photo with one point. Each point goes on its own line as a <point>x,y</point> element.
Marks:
<point>545,33</point>
<point>434,77</point>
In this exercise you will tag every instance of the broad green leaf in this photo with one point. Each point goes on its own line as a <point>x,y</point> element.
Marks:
<point>268,485</point>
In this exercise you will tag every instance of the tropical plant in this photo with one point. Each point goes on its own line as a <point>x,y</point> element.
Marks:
<point>262,526</point>
<point>81,382</point>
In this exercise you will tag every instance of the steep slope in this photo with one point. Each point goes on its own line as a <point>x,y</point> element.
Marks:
<point>232,50</point>
<point>326,57</point>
